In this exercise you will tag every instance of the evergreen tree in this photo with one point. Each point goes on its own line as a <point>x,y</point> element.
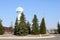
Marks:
<point>35,25</point>
<point>58,25</point>
<point>43,27</point>
<point>1,28</point>
<point>23,30</point>
<point>28,26</point>
<point>16,27</point>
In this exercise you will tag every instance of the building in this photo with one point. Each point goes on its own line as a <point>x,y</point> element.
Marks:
<point>8,29</point>
<point>53,31</point>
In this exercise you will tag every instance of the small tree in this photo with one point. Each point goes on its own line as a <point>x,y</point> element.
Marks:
<point>1,28</point>
<point>43,27</point>
<point>58,26</point>
<point>35,26</point>
<point>16,27</point>
<point>28,26</point>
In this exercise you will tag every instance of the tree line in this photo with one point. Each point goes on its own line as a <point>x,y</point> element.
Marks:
<point>24,28</point>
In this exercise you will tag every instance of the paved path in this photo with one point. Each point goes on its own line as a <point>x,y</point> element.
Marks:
<point>35,39</point>
<point>54,38</point>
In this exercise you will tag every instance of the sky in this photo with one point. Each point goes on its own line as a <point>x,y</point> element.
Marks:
<point>49,9</point>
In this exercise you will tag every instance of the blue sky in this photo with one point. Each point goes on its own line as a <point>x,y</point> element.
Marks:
<point>49,9</point>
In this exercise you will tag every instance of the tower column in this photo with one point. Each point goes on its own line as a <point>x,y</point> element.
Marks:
<point>19,11</point>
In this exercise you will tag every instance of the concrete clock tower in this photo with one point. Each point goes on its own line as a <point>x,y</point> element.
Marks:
<point>19,10</point>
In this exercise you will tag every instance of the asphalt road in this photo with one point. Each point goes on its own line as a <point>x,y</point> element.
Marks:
<point>55,38</point>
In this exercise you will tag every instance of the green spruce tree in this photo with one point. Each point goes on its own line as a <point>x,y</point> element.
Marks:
<point>43,27</point>
<point>1,28</point>
<point>28,26</point>
<point>35,25</point>
<point>58,26</point>
<point>23,30</point>
<point>16,27</point>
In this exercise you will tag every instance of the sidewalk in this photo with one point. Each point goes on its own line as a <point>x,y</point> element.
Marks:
<point>25,37</point>
<point>10,36</point>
